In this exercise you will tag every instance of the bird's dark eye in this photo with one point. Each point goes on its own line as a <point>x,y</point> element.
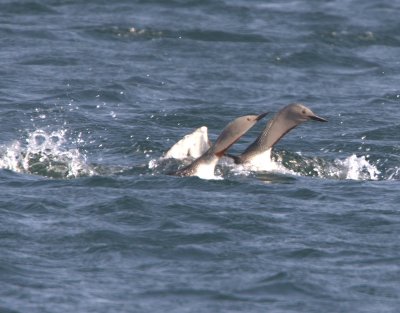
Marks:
<point>248,119</point>
<point>304,111</point>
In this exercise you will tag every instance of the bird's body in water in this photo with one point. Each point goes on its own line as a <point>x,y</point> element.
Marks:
<point>257,156</point>
<point>204,165</point>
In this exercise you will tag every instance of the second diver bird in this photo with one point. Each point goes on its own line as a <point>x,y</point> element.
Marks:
<point>204,165</point>
<point>257,156</point>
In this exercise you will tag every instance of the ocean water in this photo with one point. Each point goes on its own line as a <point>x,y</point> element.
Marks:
<point>92,94</point>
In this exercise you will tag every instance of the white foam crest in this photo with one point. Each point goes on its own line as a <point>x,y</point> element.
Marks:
<point>357,168</point>
<point>45,154</point>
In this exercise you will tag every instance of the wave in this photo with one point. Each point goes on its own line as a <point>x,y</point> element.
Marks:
<point>138,33</point>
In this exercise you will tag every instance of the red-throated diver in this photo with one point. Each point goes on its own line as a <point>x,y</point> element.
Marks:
<point>257,156</point>
<point>204,165</point>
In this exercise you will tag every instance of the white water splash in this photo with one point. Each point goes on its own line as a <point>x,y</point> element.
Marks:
<point>353,167</point>
<point>45,154</point>
<point>357,168</point>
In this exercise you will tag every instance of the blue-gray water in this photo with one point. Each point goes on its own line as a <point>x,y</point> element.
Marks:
<point>92,93</point>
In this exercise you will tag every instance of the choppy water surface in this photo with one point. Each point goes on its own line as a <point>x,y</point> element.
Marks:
<point>93,93</point>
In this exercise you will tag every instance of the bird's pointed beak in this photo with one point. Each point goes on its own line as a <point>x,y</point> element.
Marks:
<point>317,118</point>
<point>262,115</point>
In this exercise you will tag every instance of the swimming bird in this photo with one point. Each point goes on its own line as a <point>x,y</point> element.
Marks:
<point>204,165</point>
<point>257,156</point>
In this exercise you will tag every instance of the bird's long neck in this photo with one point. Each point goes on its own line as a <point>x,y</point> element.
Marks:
<point>271,134</point>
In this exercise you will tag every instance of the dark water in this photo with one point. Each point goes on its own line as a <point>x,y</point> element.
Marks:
<point>92,93</point>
